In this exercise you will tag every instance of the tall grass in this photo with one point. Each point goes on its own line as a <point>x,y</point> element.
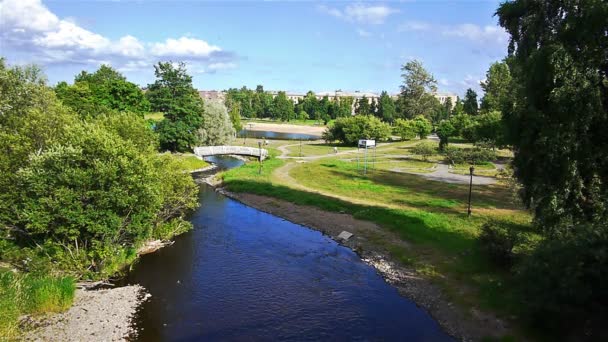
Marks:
<point>29,294</point>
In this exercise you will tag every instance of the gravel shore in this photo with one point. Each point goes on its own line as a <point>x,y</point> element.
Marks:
<point>100,315</point>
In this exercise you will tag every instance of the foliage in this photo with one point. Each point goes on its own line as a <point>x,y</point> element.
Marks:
<point>498,241</point>
<point>79,195</point>
<point>282,107</point>
<point>350,130</point>
<point>474,156</point>
<point>564,281</point>
<point>173,94</point>
<point>235,117</point>
<point>489,127</point>
<point>386,108</point>
<point>425,149</point>
<point>406,129</point>
<point>102,91</point>
<point>445,130</point>
<point>461,123</point>
<point>559,118</point>
<point>218,129</point>
<point>470,105</point>
<point>423,126</point>
<point>363,107</point>
<point>416,91</point>
<point>496,88</point>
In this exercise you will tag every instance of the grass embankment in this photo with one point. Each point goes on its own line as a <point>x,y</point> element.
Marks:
<point>190,162</point>
<point>30,294</point>
<point>430,215</point>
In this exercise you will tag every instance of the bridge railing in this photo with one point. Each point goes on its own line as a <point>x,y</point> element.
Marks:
<point>205,151</point>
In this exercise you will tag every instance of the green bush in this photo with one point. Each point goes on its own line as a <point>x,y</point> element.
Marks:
<point>498,241</point>
<point>350,130</point>
<point>565,281</point>
<point>405,129</point>
<point>425,149</point>
<point>475,156</point>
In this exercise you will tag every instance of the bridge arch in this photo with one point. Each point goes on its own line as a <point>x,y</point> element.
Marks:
<point>206,151</point>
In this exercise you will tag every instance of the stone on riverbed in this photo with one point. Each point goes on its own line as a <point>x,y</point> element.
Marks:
<point>344,236</point>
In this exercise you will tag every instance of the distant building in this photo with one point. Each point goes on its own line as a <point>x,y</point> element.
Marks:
<point>356,95</point>
<point>212,95</point>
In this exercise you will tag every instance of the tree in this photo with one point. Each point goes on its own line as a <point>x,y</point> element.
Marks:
<point>557,124</point>
<point>560,118</point>
<point>386,108</point>
<point>346,106</point>
<point>218,129</point>
<point>470,105</point>
<point>405,129</point>
<point>363,107</point>
<point>282,107</point>
<point>490,128</point>
<point>173,94</point>
<point>417,90</point>
<point>310,105</point>
<point>235,117</point>
<point>423,126</point>
<point>496,87</point>
<point>444,131</point>
<point>102,91</point>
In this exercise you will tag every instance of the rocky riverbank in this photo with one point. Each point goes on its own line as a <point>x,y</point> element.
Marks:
<point>97,315</point>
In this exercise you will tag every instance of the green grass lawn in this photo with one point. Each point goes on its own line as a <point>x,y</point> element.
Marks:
<point>191,162</point>
<point>156,116</point>
<point>430,215</point>
<point>28,294</point>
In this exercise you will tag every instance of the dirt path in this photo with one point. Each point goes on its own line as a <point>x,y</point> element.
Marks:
<point>371,242</point>
<point>442,174</point>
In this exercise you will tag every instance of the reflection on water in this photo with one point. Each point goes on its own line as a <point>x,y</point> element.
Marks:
<point>277,135</point>
<point>243,274</point>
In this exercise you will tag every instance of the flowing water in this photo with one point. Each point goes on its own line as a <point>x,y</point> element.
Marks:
<point>242,274</point>
<point>277,135</point>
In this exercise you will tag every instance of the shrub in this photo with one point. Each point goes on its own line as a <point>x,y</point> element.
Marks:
<point>350,130</point>
<point>425,149</point>
<point>405,129</point>
<point>565,280</point>
<point>498,241</point>
<point>475,156</point>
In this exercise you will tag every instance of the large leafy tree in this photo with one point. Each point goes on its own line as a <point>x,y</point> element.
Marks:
<point>218,128</point>
<point>386,108</point>
<point>173,94</point>
<point>283,107</point>
<point>363,106</point>
<point>496,87</point>
<point>470,104</point>
<point>105,89</point>
<point>417,90</point>
<point>559,122</point>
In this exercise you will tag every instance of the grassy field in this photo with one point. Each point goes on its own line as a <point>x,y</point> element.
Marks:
<point>430,215</point>
<point>33,295</point>
<point>191,162</point>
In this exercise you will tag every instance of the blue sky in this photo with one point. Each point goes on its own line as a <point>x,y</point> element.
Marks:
<point>293,46</point>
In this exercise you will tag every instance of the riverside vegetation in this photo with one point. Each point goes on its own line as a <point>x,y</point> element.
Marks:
<point>83,184</point>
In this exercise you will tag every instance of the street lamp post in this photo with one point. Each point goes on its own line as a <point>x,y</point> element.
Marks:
<point>471,169</point>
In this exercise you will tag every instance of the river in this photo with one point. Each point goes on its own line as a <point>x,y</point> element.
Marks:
<point>242,274</point>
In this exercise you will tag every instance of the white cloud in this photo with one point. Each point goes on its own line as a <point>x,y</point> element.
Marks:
<point>27,26</point>
<point>444,82</point>
<point>360,13</point>
<point>477,33</point>
<point>184,47</point>
<point>363,33</point>
<point>472,32</point>
<point>221,66</point>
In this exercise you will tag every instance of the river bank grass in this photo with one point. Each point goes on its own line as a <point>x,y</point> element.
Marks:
<point>30,295</point>
<point>431,216</point>
<point>190,162</point>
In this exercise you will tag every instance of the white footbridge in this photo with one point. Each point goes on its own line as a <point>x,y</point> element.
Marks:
<point>206,151</point>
